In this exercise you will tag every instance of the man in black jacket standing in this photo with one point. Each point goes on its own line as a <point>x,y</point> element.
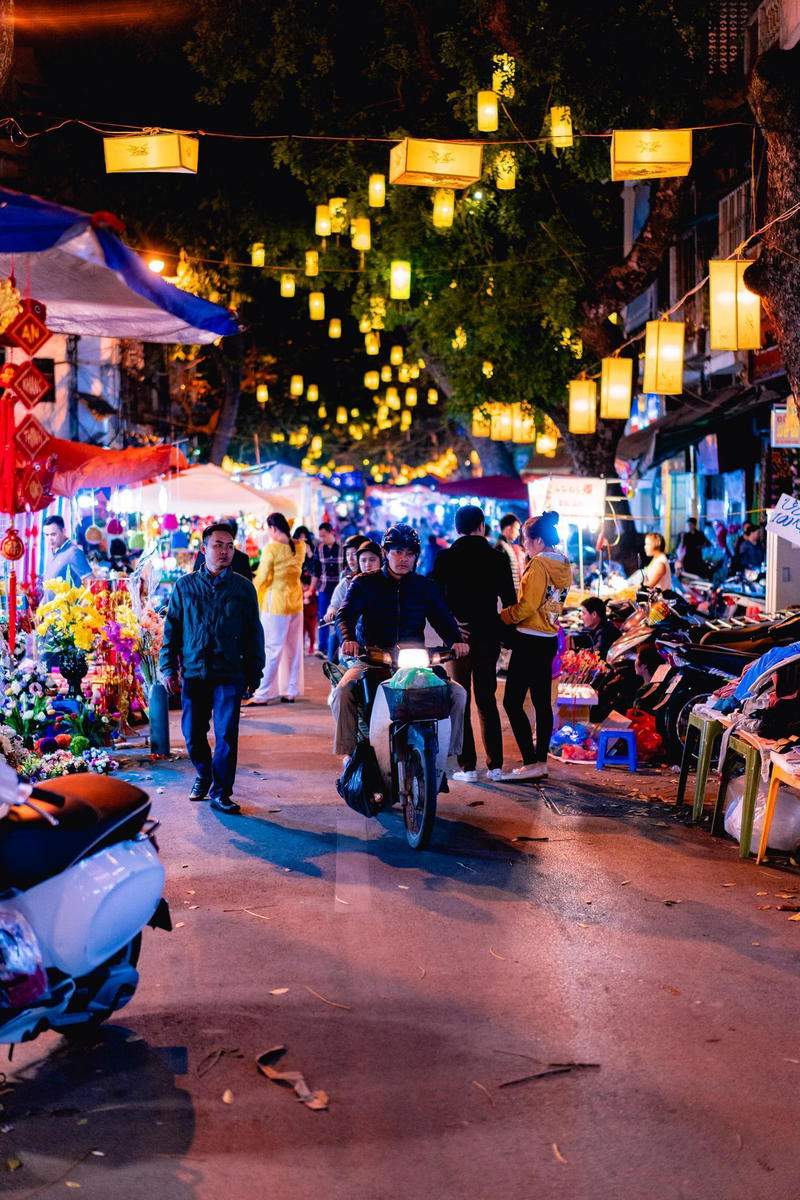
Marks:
<point>473,577</point>
<point>213,638</point>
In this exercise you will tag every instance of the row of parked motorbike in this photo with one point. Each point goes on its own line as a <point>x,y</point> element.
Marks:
<point>699,654</point>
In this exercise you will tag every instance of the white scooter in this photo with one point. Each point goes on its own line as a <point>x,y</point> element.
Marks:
<point>79,879</point>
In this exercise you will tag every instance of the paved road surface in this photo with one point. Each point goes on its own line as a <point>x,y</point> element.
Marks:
<point>412,988</point>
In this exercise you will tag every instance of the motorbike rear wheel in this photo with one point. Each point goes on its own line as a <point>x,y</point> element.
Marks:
<point>420,786</point>
<point>88,986</point>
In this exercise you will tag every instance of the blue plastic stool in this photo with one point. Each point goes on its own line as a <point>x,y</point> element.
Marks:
<point>606,736</point>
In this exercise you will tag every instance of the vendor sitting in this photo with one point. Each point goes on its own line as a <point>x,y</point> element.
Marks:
<point>601,632</point>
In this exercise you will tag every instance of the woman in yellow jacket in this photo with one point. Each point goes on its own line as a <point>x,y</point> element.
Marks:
<point>542,592</point>
<point>280,598</point>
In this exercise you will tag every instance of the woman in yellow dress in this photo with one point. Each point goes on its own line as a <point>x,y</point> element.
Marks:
<point>280,598</point>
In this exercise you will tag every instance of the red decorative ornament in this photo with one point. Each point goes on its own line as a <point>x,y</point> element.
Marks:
<point>11,547</point>
<point>28,330</point>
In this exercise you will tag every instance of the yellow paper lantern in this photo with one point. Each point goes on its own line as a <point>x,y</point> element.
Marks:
<point>377,191</point>
<point>341,415</point>
<point>322,412</point>
<point>334,328</point>
<point>392,397</point>
<point>403,374</point>
<point>411,397</point>
<point>364,323</point>
<point>650,153</point>
<point>396,356</point>
<point>547,444</point>
<point>443,208</point>
<point>433,396</point>
<point>257,254</point>
<point>400,285</point>
<point>372,342</point>
<point>502,422</point>
<point>423,162</point>
<point>481,423</point>
<point>561,127</point>
<point>386,373</point>
<point>316,306</point>
<point>616,388</point>
<point>582,406</point>
<point>296,385</point>
<point>337,206</point>
<point>505,170</point>
<point>413,371</point>
<point>505,68</point>
<point>312,263</point>
<point>262,393</point>
<point>173,153</point>
<point>487,112</point>
<point>663,357</point>
<point>735,310</point>
<point>372,380</point>
<point>316,444</point>
<point>322,224</point>
<point>312,393</point>
<point>362,237</point>
<point>287,284</point>
<point>405,419</point>
<point>523,426</point>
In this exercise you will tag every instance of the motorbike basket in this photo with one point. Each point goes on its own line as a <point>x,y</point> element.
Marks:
<point>418,704</point>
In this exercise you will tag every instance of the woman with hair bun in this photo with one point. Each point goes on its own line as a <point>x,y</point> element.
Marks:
<point>542,592</point>
<point>280,598</point>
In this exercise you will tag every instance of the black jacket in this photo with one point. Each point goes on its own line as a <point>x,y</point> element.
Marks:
<point>385,612</point>
<point>473,576</point>
<point>603,637</point>
<point>213,631</point>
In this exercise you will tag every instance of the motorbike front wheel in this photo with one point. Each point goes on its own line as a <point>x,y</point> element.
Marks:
<point>419,785</point>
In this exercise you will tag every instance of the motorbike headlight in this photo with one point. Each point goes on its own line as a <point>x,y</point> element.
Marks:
<point>22,974</point>
<point>413,658</point>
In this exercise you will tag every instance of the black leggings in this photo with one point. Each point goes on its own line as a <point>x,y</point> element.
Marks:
<point>531,670</point>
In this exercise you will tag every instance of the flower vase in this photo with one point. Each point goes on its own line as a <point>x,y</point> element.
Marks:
<point>158,709</point>
<point>73,666</point>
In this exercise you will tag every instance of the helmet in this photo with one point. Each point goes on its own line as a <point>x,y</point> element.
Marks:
<point>354,541</point>
<point>401,537</point>
<point>369,547</point>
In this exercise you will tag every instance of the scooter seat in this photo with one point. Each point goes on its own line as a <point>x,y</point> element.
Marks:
<point>97,812</point>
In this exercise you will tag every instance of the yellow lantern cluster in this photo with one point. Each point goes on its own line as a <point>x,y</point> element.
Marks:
<point>316,306</point>
<point>361,238</point>
<point>561,127</point>
<point>262,393</point>
<point>663,357</point>
<point>400,280</point>
<point>322,224</point>
<point>443,208</point>
<point>487,112</point>
<point>377,191</point>
<point>312,263</point>
<point>650,153</point>
<point>582,406</point>
<point>334,328</point>
<point>287,285</point>
<point>616,388</point>
<point>505,170</point>
<point>296,385</point>
<point>735,310</point>
<point>257,254</point>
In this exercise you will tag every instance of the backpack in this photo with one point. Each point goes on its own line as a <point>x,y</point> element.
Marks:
<point>361,784</point>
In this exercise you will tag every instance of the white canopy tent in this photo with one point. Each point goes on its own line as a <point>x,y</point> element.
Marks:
<point>204,490</point>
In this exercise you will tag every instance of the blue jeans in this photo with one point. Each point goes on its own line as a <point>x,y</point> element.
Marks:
<point>202,700</point>
<point>323,631</point>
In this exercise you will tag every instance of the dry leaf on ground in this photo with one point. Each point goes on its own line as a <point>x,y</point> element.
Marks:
<point>332,1003</point>
<point>227,1096</point>
<point>315,1100</point>
<point>278,991</point>
<point>557,1153</point>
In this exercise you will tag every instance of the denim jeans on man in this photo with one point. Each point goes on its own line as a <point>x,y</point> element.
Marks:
<point>201,698</point>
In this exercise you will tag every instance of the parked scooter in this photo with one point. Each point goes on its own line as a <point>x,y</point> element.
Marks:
<point>79,879</point>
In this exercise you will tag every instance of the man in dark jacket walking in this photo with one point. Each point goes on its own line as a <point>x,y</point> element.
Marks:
<point>213,638</point>
<point>473,576</point>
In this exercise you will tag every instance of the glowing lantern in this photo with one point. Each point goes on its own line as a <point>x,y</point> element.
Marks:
<point>257,254</point>
<point>423,162</point>
<point>650,153</point>
<point>312,263</point>
<point>296,385</point>
<point>481,424</point>
<point>443,208</point>
<point>372,380</point>
<point>616,386</point>
<point>405,419</point>
<point>262,393</point>
<point>386,373</point>
<point>316,306</point>
<point>505,68</point>
<point>322,224</point>
<point>582,406</point>
<point>411,397</point>
<point>403,373</point>
<point>413,371</point>
<point>400,284</point>
<point>392,397</point>
<point>433,396</point>
<point>364,323</point>
<point>501,422</point>
<point>287,284</point>
<point>663,357</point>
<point>341,416</point>
<point>487,112</point>
<point>396,356</point>
<point>334,328</point>
<point>362,238</point>
<point>372,342</point>
<point>505,170</point>
<point>312,393</point>
<point>377,191</point>
<point>337,206</point>
<point>561,127</point>
<point>523,426</point>
<point>547,444</point>
<point>322,412</point>
<point>735,310</point>
<point>172,152</point>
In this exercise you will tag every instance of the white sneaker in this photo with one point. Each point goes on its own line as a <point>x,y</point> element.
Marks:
<point>465,776</point>
<point>495,774</point>
<point>531,771</point>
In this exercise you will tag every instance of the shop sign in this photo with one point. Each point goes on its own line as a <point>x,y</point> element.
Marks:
<point>571,496</point>
<point>784,519</point>
<point>785,429</point>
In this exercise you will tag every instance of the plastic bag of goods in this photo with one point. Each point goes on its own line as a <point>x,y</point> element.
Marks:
<point>784,832</point>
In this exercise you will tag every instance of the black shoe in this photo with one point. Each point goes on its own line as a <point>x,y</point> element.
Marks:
<point>199,789</point>
<point>287,699</point>
<point>225,804</point>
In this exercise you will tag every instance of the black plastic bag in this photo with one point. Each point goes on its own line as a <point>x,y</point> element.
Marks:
<point>361,783</point>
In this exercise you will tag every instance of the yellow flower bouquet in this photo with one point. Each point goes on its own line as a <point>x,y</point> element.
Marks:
<point>71,620</point>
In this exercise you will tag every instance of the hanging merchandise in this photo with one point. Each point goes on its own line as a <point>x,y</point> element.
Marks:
<point>257,254</point>
<point>561,127</point>
<point>322,223</point>
<point>735,310</point>
<point>377,191</point>
<point>487,112</point>
<point>296,385</point>
<point>334,328</point>
<point>582,406</point>
<point>287,285</point>
<point>443,208</point>
<point>361,238</point>
<point>505,170</point>
<point>650,153</point>
<point>174,153</point>
<point>337,207</point>
<point>400,280</point>
<point>262,393</point>
<point>316,306</point>
<point>616,388</point>
<point>312,263</point>
<point>422,162</point>
<point>663,357</point>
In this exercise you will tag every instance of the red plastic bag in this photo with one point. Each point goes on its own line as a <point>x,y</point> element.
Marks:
<point>648,741</point>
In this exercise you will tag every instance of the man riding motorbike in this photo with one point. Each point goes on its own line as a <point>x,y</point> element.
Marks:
<point>386,609</point>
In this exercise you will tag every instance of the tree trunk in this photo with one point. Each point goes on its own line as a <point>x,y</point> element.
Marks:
<point>496,457</point>
<point>229,363</point>
<point>6,41</point>
<point>774,96</point>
